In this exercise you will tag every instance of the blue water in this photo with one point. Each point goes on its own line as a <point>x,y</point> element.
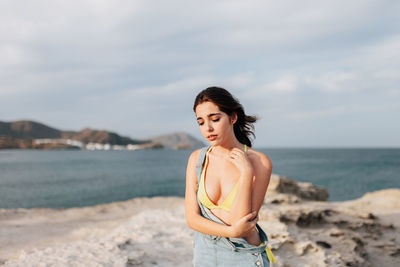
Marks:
<point>346,173</point>
<point>61,179</point>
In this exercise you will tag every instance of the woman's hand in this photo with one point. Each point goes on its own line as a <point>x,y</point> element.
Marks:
<point>239,158</point>
<point>245,225</point>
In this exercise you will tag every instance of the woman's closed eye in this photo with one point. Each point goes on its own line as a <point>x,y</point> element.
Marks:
<point>202,122</point>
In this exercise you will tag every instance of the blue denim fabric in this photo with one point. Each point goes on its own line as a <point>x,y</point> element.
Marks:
<point>210,252</point>
<point>216,251</point>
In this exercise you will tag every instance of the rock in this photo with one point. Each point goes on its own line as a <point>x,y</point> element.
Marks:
<point>304,218</point>
<point>336,233</point>
<point>368,216</point>
<point>283,185</point>
<point>153,231</point>
<point>324,244</point>
<point>283,199</point>
<point>310,218</point>
<point>395,253</point>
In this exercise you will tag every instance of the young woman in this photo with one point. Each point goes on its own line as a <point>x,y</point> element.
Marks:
<point>225,186</point>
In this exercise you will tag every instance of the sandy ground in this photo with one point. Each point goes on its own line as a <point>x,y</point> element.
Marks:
<point>153,231</point>
<point>30,229</point>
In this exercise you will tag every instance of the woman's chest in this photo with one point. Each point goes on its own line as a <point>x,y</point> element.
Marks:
<point>221,177</point>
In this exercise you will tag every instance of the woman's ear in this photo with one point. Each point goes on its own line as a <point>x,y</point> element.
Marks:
<point>234,118</point>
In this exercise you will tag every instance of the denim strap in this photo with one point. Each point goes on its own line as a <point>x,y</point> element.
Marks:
<point>199,165</point>
<point>236,244</point>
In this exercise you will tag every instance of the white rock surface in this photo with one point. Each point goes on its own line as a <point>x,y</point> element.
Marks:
<point>153,231</point>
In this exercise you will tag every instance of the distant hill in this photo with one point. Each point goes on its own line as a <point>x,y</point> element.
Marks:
<point>178,140</point>
<point>28,130</point>
<point>88,135</point>
<point>19,134</point>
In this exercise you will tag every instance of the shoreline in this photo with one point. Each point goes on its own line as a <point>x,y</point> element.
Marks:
<point>303,229</point>
<point>59,225</point>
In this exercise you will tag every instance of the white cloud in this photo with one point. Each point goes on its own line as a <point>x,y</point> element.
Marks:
<point>382,52</point>
<point>335,82</point>
<point>291,60</point>
<point>286,84</point>
<point>315,114</point>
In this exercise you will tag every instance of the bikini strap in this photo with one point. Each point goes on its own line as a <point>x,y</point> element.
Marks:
<point>199,165</point>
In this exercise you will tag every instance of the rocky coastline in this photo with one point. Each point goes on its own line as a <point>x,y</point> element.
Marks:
<point>303,229</point>
<point>26,134</point>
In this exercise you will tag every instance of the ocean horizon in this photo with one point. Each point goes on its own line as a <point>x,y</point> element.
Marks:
<point>77,178</point>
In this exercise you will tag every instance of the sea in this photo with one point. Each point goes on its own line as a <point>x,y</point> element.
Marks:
<point>77,178</point>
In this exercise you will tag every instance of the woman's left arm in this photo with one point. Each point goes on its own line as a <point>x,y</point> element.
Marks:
<point>254,179</point>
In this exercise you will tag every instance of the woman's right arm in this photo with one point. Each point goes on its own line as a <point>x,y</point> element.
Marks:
<point>200,224</point>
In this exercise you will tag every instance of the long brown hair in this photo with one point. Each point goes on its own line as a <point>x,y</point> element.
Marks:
<point>227,103</point>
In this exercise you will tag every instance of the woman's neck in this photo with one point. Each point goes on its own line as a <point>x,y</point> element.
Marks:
<point>226,147</point>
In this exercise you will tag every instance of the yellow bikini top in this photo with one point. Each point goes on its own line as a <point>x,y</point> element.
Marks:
<point>202,194</point>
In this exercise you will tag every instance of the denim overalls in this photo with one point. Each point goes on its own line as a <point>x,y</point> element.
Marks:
<point>216,251</point>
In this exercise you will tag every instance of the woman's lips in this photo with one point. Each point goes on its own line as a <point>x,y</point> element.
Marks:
<point>212,137</point>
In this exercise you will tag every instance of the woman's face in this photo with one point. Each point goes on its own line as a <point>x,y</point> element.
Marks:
<point>215,125</point>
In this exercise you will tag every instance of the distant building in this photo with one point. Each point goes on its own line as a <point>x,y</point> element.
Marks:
<point>69,142</point>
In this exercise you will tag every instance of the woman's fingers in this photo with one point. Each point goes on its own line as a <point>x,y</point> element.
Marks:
<point>254,215</point>
<point>247,217</point>
<point>246,224</point>
<point>237,152</point>
<point>250,217</point>
<point>233,155</point>
<point>255,220</point>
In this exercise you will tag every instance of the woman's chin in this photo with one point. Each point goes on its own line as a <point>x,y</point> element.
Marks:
<point>214,142</point>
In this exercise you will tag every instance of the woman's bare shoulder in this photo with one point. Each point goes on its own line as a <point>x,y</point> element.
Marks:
<point>260,159</point>
<point>194,156</point>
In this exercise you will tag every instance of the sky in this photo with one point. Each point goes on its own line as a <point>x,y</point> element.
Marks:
<point>316,73</point>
